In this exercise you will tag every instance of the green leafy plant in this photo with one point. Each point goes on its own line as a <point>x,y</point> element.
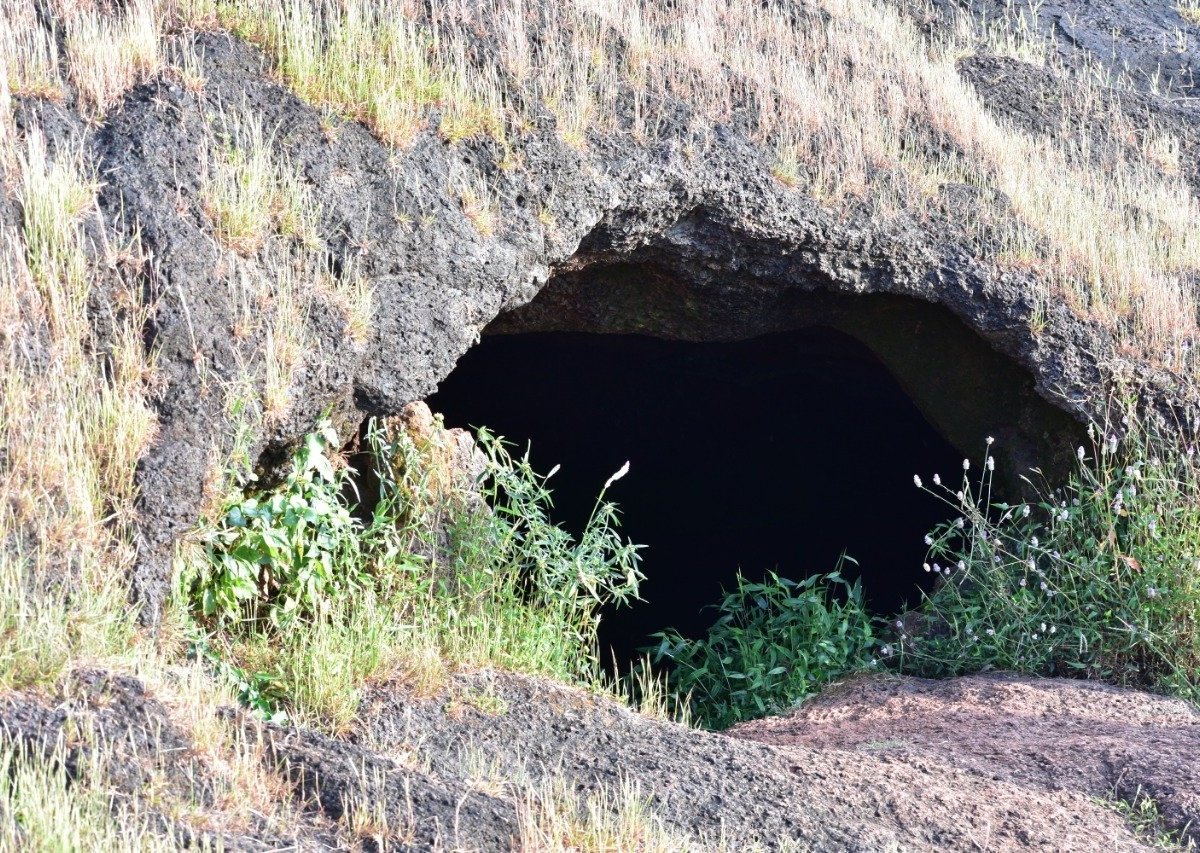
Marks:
<point>258,691</point>
<point>517,549</point>
<point>1095,579</point>
<point>284,555</point>
<point>774,644</point>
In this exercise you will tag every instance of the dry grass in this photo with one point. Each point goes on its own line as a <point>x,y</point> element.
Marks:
<point>105,54</point>
<point>851,88</point>
<point>835,134</point>
<point>251,192</point>
<point>860,103</point>
<point>67,491</point>
<point>554,820</point>
<point>479,205</point>
<point>42,808</point>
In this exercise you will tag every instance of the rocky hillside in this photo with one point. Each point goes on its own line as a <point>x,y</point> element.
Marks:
<point>297,247</point>
<point>496,762</point>
<point>223,221</point>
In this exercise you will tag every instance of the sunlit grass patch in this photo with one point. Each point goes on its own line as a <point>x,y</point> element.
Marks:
<point>42,807</point>
<point>108,53</point>
<point>67,490</point>
<point>554,819</point>
<point>250,191</point>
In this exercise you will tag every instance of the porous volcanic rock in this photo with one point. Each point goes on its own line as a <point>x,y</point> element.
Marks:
<point>879,763</point>
<point>725,249</point>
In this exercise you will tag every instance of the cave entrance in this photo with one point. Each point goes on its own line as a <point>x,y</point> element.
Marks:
<point>777,452</point>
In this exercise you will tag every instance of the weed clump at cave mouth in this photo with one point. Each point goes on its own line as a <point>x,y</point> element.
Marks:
<point>301,601</point>
<point>774,644</point>
<point>1096,578</point>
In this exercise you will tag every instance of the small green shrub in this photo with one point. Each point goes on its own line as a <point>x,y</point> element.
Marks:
<point>1097,579</point>
<point>285,555</point>
<point>774,644</point>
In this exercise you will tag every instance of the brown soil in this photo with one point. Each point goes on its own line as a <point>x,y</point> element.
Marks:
<point>996,739</point>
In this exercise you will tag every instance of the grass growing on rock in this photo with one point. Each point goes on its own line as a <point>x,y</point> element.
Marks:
<point>1114,240</point>
<point>68,491</point>
<point>553,820</point>
<point>837,135</point>
<point>42,807</point>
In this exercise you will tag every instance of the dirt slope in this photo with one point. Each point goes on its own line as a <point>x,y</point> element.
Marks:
<point>979,763</point>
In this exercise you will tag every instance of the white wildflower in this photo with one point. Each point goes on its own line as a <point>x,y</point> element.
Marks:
<point>991,463</point>
<point>928,539</point>
<point>927,567</point>
<point>990,441</point>
<point>937,479</point>
<point>917,480</point>
<point>966,464</point>
<point>1081,453</point>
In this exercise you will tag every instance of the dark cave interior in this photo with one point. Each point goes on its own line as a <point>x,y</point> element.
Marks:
<point>777,452</point>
